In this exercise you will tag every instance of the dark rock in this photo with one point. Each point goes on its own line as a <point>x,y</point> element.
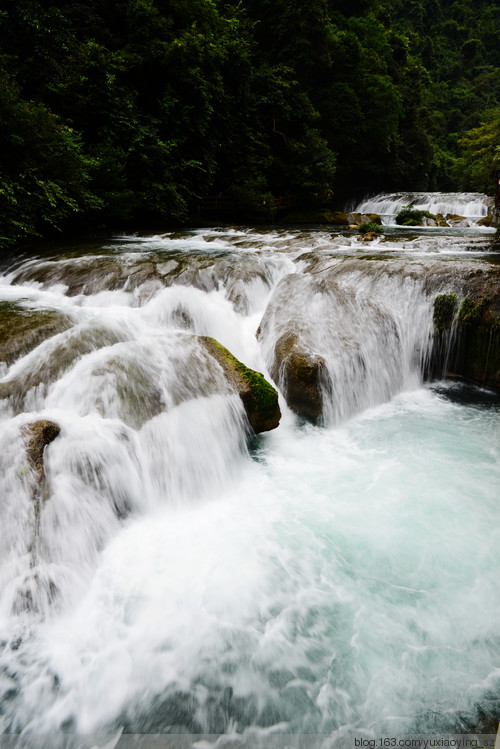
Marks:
<point>259,398</point>
<point>440,220</point>
<point>445,306</point>
<point>39,434</point>
<point>470,347</point>
<point>303,373</point>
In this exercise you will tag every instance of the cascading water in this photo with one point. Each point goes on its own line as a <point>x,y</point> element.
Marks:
<point>469,206</point>
<point>336,581</point>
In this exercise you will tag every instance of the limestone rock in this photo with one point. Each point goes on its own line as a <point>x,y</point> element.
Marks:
<point>40,434</point>
<point>21,330</point>
<point>259,398</point>
<point>302,374</point>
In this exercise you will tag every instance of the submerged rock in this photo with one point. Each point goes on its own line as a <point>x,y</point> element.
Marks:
<point>21,329</point>
<point>259,398</point>
<point>444,311</point>
<point>54,356</point>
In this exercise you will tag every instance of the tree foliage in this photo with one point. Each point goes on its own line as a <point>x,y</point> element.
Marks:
<point>131,111</point>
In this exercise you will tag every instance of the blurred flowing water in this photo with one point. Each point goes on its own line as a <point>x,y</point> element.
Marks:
<point>468,206</point>
<point>186,578</point>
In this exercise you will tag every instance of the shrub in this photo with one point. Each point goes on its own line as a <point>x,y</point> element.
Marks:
<point>412,216</point>
<point>370,227</point>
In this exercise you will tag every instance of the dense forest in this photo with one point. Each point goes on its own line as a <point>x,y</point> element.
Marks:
<point>120,113</point>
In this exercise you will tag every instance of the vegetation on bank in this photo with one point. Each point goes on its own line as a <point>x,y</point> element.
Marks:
<point>115,113</point>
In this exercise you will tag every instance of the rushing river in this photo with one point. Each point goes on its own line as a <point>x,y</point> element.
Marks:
<point>337,580</point>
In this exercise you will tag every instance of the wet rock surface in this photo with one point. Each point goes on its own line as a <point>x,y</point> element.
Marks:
<point>39,434</point>
<point>469,346</point>
<point>22,329</point>
<point>144,275</point>
<point>304,373</point>
<point>259,398</point>
<point>356,323</point>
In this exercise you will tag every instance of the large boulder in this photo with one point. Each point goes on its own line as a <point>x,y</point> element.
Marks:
<point>302,375</point>
<point>259,398</point>
<point>293,345</point>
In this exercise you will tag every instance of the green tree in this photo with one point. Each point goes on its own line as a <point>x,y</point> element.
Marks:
<point>480,155</point>
<point>44,175</point>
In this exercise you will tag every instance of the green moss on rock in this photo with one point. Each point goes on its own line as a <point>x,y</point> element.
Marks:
<point>370,228</point>
<point>471,312</point>
<point>413,217</point>
<point>301,374</point>
<point>259,398</point>
<point>473,350</point>
<point>445,306</point>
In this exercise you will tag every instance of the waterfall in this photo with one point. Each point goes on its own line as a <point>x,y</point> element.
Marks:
<point>372,329</point>
<point>470,206</point>
<point>174,574</point>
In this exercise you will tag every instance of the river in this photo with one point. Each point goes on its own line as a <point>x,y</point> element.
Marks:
<point>335,580</point>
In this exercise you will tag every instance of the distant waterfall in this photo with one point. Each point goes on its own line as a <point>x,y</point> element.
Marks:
<point>470,205</point>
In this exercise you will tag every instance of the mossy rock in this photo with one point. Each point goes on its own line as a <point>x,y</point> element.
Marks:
<point>413,217</point>
<point>300,374</point>
<point>472,312</point>
<point>440,219</point>
<point>471,350</point>
<point>486,221</point>
<point>259,398</point>
<point>370,228</point>
<point>445,306</point>
<point>22,330</point>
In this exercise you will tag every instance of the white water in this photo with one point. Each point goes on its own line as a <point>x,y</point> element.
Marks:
<point>330,581</point>
<point>472,206</point>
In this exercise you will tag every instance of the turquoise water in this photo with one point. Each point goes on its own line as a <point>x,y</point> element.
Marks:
<point>338,580</point>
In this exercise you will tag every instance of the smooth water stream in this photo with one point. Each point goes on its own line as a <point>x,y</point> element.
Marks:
<point>334,580</point>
